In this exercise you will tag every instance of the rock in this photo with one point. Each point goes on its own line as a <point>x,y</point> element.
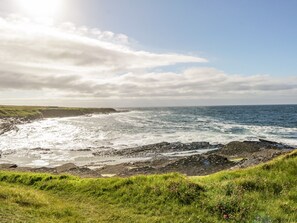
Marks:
<point>273,144</point>
<point>200,145</point>
<point>66,167</point>
<point>247,148</point>
<point>237,148</point>
<point>198,165</point>
<point>152,150</point>
<point>261,156</point>
<point>7,125</point>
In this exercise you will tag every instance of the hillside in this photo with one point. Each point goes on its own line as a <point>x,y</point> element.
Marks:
<point>265,193</point>
<point>33,112</point>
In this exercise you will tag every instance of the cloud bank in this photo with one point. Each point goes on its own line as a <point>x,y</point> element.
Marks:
<point>83,63</point>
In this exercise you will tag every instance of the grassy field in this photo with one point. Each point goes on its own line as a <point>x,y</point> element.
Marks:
<point>266,193</point>
<point>39,111</point>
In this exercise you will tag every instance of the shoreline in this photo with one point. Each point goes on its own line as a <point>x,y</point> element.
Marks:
<point>195,158</point>
<point>234,155</point>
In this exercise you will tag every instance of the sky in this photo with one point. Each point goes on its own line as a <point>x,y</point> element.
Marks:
<point>112,53</point>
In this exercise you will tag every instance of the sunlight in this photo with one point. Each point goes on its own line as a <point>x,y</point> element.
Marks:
<point>41,8</point>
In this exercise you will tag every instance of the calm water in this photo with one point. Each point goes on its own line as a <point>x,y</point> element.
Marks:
<point>142,126</point>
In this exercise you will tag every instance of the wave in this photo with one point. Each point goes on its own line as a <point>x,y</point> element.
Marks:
<point>136,128</point>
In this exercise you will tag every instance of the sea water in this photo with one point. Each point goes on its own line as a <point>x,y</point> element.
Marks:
<point>141,126</point>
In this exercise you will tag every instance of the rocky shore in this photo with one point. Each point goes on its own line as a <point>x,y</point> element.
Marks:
<point>218,157</point>
<point>8,124</point>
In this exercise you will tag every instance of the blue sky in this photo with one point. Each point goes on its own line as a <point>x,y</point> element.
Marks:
<point>237,36</point>
<point>195,52</point>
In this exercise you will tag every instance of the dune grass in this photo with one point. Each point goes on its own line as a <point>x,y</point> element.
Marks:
<point>266,193</point>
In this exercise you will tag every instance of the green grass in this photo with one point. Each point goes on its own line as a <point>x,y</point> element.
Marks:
<point>39,111</point>
<point>266,193</point>
<point>19,111</point>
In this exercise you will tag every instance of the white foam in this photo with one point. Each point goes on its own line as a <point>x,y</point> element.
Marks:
<point>129,129</point>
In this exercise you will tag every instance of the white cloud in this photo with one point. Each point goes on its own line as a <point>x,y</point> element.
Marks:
<point>67,46</point>
<point>88,64</point>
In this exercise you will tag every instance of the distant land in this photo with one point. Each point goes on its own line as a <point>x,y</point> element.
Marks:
<point>34,112</point>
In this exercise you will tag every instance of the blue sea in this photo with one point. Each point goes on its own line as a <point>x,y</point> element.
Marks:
<point>141,126</point>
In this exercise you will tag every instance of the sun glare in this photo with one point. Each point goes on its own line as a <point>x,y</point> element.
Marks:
<point>40,8</point>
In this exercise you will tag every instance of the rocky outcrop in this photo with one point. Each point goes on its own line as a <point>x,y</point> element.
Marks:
<point>9,124</point>
<point>241,149</point>
<point>191,166</point>
<point>199,165</point>
<point>234,155</point>
<point>261,156</point>
<point>249,153</point>
<point>157,148</point>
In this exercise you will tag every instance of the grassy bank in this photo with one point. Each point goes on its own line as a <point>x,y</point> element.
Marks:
<point>266,193</point>
<point>32,112</point>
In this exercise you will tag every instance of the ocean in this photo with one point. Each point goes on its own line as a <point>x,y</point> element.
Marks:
<point>141,126</point>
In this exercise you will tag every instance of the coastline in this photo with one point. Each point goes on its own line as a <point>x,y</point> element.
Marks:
<point>192,159</point>
<point>234,155</point>
<point>10,116</point>
<point>165,184</point>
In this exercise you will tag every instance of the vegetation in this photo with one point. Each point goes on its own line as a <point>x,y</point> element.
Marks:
<point>19,111</point>
<point>266,193</point>
<point>32,112</point>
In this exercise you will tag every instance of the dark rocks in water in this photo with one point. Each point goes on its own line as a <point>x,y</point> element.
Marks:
<point>8,166</point>
<point>9,124</point>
